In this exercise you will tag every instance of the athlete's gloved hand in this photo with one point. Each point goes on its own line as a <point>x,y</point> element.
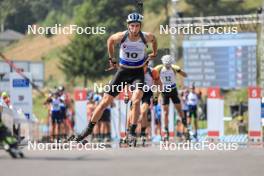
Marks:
<point>112,62</point>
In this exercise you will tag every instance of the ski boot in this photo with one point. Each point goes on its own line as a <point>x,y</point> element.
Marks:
<point>13,150</point>
<point>166,137</point>
<point>9,142</point>
<point>132,140</point>
<point>143,140</point>
<point>123,141</point>
<point>187,135</point>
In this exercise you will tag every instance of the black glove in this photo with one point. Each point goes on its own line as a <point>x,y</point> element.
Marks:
<point>112,62</point>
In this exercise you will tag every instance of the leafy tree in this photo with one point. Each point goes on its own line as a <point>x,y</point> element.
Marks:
<point>86,56</point>
<point>18,14</point>
<point>217,7</point>
<point>155,6</point>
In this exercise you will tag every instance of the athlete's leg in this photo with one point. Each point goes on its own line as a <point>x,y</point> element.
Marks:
<point>158,132</point>
<point>165,106</point>
<point>195,120</point>
<point>60,126</point>
<point>59,134</point>
<point>146,100</point>
<point>53,131</point>
<point>185,119</point>
<point>196,125</point>
<point>128,117</point>
<point>65,127</point>
<point>102,130</point>
<point>135,110</point>
<point>179,109</point>
<point>108,134</point>
<point>144,118</point>
<point>166,115</point>
<point>96,131</point>
<point>97,114</point>
<point>106,101</point>
<point>166,121</point>
<point>104,125</point>
<point>181,114</point>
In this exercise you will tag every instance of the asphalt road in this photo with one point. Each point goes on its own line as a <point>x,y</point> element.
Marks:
<point>246,161</point>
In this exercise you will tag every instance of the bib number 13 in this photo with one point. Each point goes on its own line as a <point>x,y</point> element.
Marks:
<point>131,55</point>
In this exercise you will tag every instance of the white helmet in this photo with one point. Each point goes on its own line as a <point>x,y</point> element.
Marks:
<point>134,17</point>
<point>167,59</point>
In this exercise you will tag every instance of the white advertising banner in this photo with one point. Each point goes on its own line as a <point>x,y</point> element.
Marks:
<point>254,115</point>
<point>21,93</point>
<point>80,97</point>
<point>215,113</point>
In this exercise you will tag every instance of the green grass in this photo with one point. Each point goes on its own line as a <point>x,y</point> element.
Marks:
<point>39,109</point>
<point>202,124</point>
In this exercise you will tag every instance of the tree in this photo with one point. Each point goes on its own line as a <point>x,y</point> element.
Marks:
<point>86,56</point>
<point>217,7</point>
<point>155,6</point>
<point>18,14</point>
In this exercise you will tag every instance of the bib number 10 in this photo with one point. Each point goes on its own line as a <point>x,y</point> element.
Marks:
<point>131,55</point>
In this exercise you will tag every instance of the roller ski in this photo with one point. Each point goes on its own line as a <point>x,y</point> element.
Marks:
<point>80,137</point>
<point>71,138</point>
<point>9,142</point>
<point>132,140</point>
<point>143,137</point>
<point>77,139</point>
<point>132,136</point>
<point>195,137</point>
<point>166,137</point>
<point>14,151</point>
<point>187,135</point>
<point>192,136</point>
<point>143,140</point>
<point>107,142</point>
<point>123,142</point>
